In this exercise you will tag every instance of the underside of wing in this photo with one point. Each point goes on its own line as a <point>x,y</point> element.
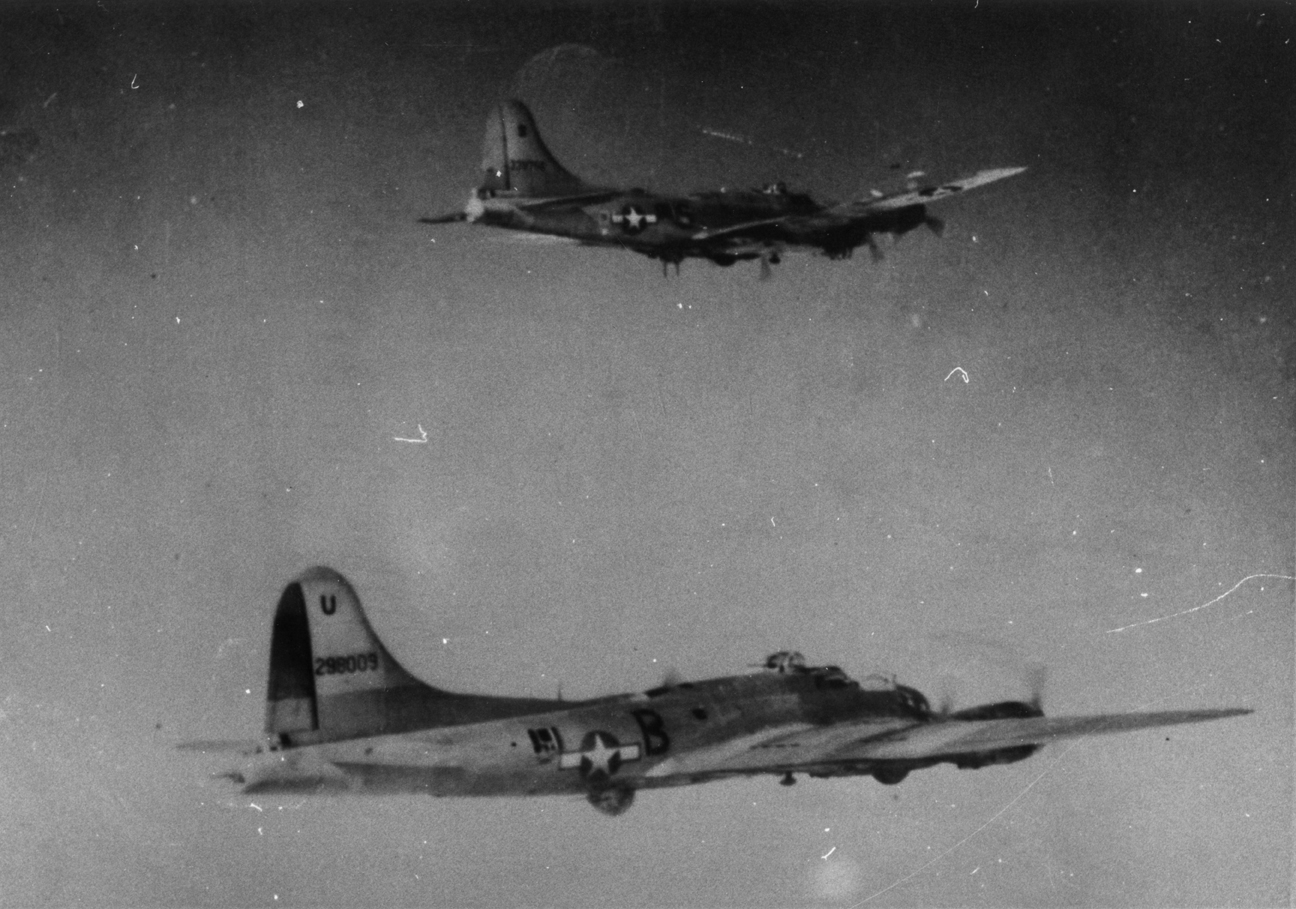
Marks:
<point>746,228</point>
<point>890,743</point>
<point>956,737</point>
<point>867,213</point>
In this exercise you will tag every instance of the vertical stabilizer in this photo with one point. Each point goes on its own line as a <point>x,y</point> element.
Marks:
<point>516,161</point>
<point>330,676</point>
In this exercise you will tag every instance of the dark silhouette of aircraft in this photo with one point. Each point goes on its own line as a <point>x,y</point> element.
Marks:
<point>526,189</point>
<point>343,716</point>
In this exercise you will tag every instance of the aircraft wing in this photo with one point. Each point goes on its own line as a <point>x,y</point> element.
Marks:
<point>924,195</point>
<point>804,745</point>
<point>950,737</point>
<point>848,213</point>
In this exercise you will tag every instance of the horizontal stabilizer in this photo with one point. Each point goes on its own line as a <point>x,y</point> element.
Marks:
<point>222,746</point>
<point>452,218</point>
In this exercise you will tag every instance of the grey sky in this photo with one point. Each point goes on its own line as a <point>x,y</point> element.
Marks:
<point>218,314</point>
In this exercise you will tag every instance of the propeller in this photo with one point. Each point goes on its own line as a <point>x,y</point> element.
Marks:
<point>765,271</point>
<point>945,701</point>
<point>1033,673</point>
<point>1036,676</point>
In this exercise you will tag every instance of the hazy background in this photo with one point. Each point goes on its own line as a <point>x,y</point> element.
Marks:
<point>218,315</point>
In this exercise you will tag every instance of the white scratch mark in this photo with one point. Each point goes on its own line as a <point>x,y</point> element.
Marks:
<point>744,140</point>
<point>961,371</point>
<point>133,78</point>
<point>422,440</point>
<point>828,853</point>
<point>1250,577</point>
<point>1050,473</point>
<point>998,814</point>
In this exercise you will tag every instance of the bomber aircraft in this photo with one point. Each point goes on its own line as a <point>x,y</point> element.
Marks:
<point>526,189</point>
<point>343,716</point>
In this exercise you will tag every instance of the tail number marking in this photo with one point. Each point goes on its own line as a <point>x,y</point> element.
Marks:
<point>339,665</point>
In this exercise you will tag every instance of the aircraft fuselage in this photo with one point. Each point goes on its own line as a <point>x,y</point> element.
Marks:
<point>644,740</point>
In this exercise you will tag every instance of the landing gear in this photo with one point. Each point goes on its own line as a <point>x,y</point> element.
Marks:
<point>613,800</point>
<point>788,779</point>
<point>889,776</point>
<point>767,259</point>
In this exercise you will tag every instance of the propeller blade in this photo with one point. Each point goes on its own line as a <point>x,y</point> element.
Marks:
<point>945,699</point>
<point>765,271</point>
<point>1036,677</point>
<point>934,224</point>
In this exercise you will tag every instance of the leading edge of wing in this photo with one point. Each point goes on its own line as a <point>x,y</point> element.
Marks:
<point>962,736</point>
<point>927,194</point>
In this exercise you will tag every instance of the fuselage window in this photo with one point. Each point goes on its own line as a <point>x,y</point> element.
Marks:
<point>545,741</point>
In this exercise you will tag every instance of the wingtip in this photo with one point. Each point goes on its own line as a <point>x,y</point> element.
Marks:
<point>1000,173</point>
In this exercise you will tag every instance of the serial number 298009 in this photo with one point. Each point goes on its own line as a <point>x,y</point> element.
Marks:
<point>354,662</point>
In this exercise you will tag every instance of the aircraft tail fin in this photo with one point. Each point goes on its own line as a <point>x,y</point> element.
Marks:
<point>330,676</point>
<point>516,160</point>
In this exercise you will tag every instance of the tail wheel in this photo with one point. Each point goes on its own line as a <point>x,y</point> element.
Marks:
<point>889,776</point>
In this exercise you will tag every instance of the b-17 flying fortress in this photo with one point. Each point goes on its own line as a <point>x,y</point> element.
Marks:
<point>343,716</point>
<point>526,189</point>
